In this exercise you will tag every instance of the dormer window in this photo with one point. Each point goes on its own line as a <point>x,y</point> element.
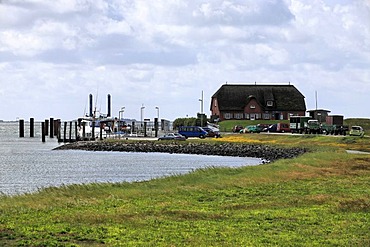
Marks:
<point>270,103</point>
<point>253,107</point>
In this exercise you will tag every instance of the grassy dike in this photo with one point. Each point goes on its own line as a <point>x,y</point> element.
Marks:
<point>321,198</point>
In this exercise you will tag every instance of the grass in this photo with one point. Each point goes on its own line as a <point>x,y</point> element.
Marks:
<point>227,126</point>
<point>364,122</point>
<point>321,198</point>
<point>313,142</point>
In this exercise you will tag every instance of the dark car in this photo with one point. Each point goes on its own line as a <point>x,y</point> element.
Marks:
<point>263,127</point>
<point>272,128</point>
<point>212,133</point>
<point>279,127</point>
<point>192,131</point>
<point>172,136</point>
<point>237,128</point>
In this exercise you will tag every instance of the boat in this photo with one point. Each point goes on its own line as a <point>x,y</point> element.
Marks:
<point>93,128</point>
<point>96,125</point>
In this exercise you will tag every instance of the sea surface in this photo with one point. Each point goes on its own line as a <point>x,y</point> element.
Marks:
<point>28,165</point>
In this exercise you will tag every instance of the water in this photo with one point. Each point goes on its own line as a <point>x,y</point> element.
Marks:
<point>27,164</point>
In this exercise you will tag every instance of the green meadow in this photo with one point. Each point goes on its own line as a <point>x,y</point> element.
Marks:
<point>321,198</point>
<point>228,125</point>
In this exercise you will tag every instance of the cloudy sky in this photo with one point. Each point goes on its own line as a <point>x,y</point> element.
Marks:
<point>164,53</point>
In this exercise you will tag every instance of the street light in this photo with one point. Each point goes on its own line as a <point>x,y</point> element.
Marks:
<point>120,115</point>
<point>157,111</point>
<point>201,110</point>
<point>156,124</point>
<point>141,114</point>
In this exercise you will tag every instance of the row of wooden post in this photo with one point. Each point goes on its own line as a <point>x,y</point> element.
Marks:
<point>55,127</point>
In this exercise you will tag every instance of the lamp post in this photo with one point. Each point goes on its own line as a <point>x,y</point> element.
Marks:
<point>201,110</point>
<point>120,115</point>
<point>157,108</point>
<point>156,124</point>
<point>141,114</point>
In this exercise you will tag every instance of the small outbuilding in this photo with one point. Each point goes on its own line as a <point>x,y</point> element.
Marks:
<point>319,114</point>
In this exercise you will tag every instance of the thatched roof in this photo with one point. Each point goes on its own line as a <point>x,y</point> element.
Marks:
<point>235,97</point>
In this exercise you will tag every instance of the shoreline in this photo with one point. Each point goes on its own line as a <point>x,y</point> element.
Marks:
<point>265,152</point>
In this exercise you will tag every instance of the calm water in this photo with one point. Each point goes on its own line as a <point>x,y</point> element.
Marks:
<point>27,164</point>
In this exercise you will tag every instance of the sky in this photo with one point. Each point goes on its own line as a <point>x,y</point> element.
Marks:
<point>162,55</point>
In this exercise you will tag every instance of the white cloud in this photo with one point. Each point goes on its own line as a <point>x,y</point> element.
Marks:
<point>164,53</point>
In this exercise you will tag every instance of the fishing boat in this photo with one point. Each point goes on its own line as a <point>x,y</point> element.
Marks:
<point>93,128</point>
<point>98,125</point>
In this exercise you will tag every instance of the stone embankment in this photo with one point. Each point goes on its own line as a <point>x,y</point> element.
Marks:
<point>268,153</point>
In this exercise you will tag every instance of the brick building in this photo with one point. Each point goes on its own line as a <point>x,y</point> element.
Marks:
<point>253,101</point>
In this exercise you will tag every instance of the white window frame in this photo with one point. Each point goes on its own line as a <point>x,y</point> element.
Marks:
<point>228,115</point>
<point>238,115</point>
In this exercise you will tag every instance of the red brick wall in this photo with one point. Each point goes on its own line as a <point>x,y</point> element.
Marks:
<point>256,109</point>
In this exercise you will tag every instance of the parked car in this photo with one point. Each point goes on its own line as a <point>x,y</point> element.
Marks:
<point>192,131</point>
<point>172,136</point>
<point>237,128</point>
<point>212,132</point>
<point>251,129</point>
<point>263,127</point>
<point>272,128</point>
<point>279,127</point>
<point>356,131</point>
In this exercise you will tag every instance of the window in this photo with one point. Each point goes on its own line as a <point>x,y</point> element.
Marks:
<point>270,103</point>
<point>252,106</point>
<point>266,116</point>
<point>228,115</point>
<point>238,115</point>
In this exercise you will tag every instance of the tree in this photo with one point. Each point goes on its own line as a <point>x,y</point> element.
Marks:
<point>192,121</point>
<point>184,122</point>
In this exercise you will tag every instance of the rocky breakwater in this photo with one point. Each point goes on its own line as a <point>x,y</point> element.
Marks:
<point>268,153</point>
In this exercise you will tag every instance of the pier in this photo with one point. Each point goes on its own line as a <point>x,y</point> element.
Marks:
<point>80,130</point>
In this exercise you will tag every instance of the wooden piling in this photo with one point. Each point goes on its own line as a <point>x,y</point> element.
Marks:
<point>156,127</point>
<point>93,131</point>
<point>70,132</point>
<point>83,132</point>
<point>145,129</point>
<point>21,127</point>
<point>32,126</point>
<point>43,132</point>
<point>132,127</point>
<point>56,127</point>
<point>51,127</point>
<point>46,127</point>
<point>101,130</point>
<point>59,128</point>
<point>76,132</point>
<point>65,132</point>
